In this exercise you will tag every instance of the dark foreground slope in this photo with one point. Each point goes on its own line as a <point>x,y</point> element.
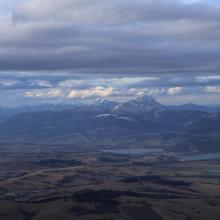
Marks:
<point>42,184</point>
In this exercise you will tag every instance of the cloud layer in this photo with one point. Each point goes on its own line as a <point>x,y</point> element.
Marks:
<point>61,51</point>
<point>17,89</point>
<point>135,37</point>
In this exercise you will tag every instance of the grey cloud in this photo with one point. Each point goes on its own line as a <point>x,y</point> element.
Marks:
<point>180,81</point>
<point>68,81</point>
<point>113,12</point>
<point>144,37</point>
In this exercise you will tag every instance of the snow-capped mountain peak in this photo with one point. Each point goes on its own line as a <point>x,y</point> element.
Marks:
<point>139,105</point>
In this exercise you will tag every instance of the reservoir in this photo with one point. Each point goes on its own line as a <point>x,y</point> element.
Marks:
<point>210,156</point>
<point>139,151</point>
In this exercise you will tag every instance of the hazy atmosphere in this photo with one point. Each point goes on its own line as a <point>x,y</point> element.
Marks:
<point>109,109</point>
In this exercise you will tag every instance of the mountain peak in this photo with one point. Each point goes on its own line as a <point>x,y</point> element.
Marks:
<point>101,101</point>
<point>98,100</point>
<point>140,105</point>
<point>101,104</point>
<point>146,99</point>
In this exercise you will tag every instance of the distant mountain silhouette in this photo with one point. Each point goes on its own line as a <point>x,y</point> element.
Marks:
<point>142,114</point>
<point>194,107</point>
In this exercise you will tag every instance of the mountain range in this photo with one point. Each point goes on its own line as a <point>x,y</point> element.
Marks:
<point>138,116</point>
<point>143,104</point>
<point>144,113</point>
<point>194,107</point>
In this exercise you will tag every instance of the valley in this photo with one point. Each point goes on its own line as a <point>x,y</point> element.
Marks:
<point>107,161</point>
<point>109,110</point>
<point>92,184</point>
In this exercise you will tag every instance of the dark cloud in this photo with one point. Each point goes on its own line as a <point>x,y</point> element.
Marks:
<point>139,37</point>
<point>55,50</point>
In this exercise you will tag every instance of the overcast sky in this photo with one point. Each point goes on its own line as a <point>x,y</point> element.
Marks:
<point>65,50</point>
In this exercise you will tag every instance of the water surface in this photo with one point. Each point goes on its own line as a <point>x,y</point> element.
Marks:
<point>139,151</point>
<point>210,156</point>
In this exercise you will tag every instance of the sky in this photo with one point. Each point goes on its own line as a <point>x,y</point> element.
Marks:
<point>71,50</point>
